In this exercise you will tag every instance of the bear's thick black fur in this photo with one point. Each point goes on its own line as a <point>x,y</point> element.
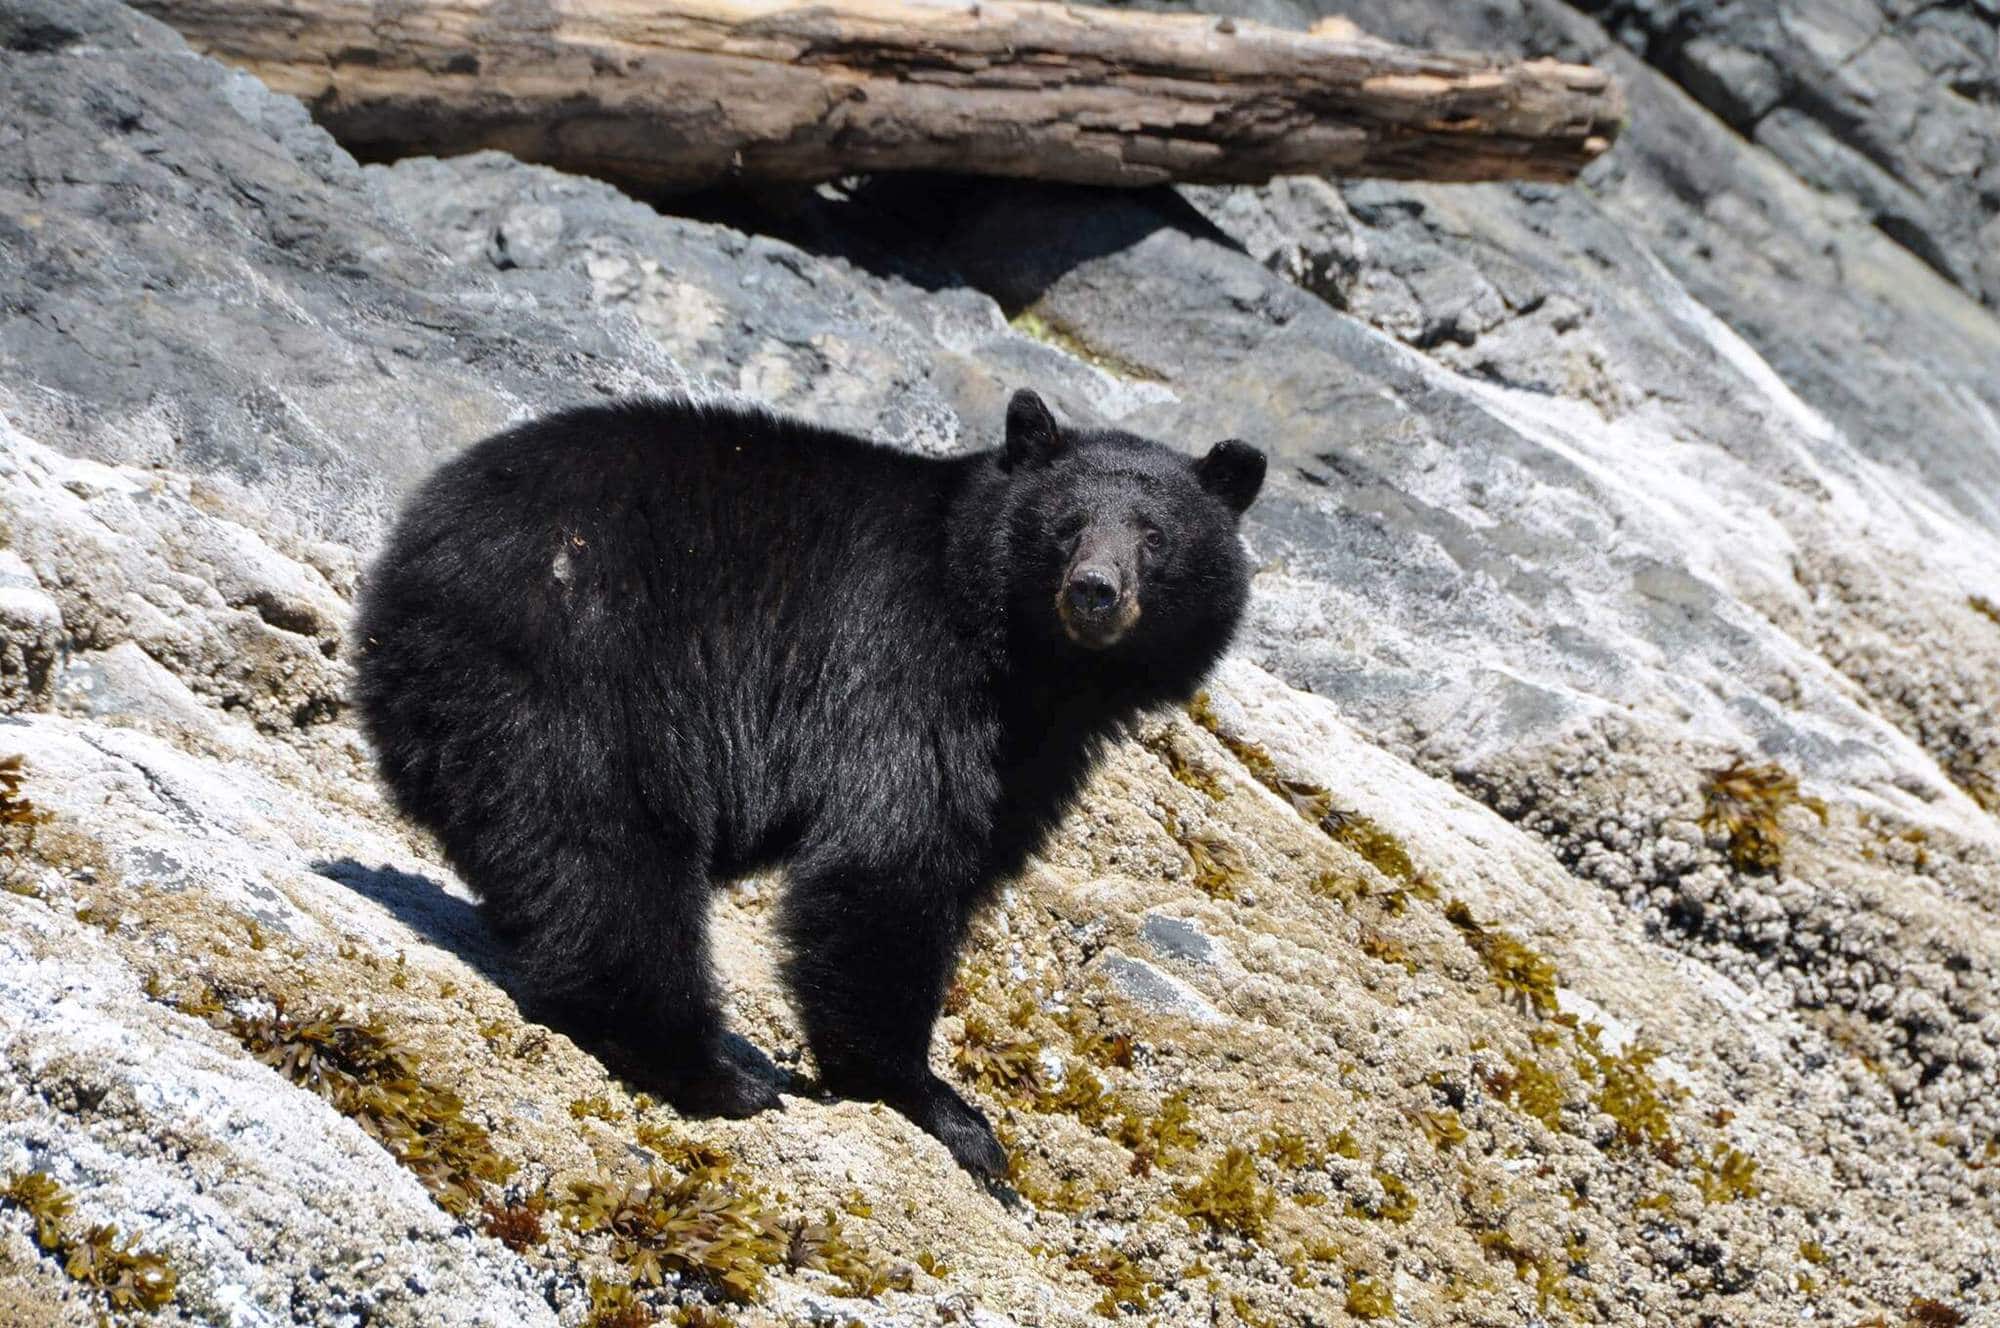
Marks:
<point>616,655</point>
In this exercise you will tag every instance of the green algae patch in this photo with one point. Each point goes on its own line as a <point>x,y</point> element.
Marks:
<point>128,1277</point>
<point>1742,804</point>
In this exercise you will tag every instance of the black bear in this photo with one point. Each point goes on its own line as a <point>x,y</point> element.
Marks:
<point>615,655</point>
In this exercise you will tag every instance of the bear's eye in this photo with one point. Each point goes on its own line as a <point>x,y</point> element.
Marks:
<point>1155,538</point>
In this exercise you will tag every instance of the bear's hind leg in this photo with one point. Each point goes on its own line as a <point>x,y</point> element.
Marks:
<point>621,955</point>
<point>868,967</point>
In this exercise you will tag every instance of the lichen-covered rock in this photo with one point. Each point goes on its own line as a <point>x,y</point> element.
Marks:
<point>1607,934</point>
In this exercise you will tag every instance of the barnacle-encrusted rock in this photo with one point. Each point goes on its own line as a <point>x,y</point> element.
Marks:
<point>1607,935</point>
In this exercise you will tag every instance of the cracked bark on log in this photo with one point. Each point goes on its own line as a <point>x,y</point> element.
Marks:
<point>685,93</point>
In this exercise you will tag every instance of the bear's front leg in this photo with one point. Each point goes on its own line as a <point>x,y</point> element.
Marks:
<point>869,960</point>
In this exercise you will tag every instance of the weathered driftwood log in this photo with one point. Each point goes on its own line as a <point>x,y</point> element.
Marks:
<point>682,93</point>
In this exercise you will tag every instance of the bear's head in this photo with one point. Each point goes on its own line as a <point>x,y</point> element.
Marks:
<point>1121,547</point>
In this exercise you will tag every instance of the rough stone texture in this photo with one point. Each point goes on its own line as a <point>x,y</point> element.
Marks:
<point>1894,105</point>
<point>1579,497</point>
<point>1849,317</point>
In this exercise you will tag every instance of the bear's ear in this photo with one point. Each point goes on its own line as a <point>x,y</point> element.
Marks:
<point>1032,435</point>
<point>1233,471</point>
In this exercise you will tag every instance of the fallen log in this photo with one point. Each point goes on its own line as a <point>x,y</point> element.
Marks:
<point>686,93</point>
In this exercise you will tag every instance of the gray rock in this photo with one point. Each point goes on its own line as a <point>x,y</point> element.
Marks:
<point>1149,988</point>
<point>1908,90</point>
<point>528,236</point>
<point>1737,84</point>
<point>126,685</point>
<point>1176,938</point>
<point>322,353</point>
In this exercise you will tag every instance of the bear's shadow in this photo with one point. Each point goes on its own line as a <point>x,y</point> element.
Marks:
<point>424,906</point>
<point>455,924</point>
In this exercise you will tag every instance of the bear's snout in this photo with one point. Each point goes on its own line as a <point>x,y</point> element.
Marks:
<point>1093,592</point>
<point>1096,602</point>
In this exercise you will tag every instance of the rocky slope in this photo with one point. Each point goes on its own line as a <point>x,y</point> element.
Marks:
<point>1576,903</point>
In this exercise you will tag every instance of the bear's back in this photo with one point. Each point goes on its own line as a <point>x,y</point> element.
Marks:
<point>625,511</point>
<point>719,589</point>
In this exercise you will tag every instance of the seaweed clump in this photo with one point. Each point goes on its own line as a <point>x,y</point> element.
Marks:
<point>129,1277</point>
<point>701,1224</point>
<point>822,1246</point>
<point>1151,1140</point>
<point>364,1076</point>
<point>1397,1204</point>
<point>1230,1197</point>
<point>1930,1313</point>
<point>1368,1298</point>
<point>517,1225</point>
<point>1003,1061</point>
<point>1357,833</point>
<point>1178,765</point>
<point>1126,1285</point>
<point>1532,1088</point>
<point>19,817</point>
<point>1629,1094</point>
<point>1309,800</point>
<point>617,1305</point>
<point>692,1217</point>
<point>1367,840</point>
<point>1742,804</point>
<point>1548,1274</point>
<point>1218,866</point>
<point>1522,973</point>
<point>1729,1175</point>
